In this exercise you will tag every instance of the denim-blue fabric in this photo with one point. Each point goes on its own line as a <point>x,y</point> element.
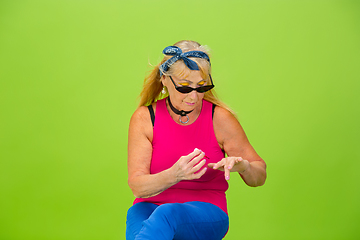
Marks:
<point>176,221</point>
<point>177,54</point>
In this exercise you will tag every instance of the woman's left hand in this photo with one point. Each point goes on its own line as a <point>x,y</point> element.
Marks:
<point>231,164</point>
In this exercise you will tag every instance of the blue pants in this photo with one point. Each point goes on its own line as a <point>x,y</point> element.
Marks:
<point>176,221</point>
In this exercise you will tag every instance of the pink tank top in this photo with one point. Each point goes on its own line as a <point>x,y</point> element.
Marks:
<point>171,141</point>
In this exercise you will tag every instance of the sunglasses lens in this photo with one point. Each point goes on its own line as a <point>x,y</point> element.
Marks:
<point>184,89</point>
<point>190,89</point>
<point>199,89</point>
<point>204,88</point>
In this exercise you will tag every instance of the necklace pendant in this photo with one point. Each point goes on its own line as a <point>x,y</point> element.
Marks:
<point>185,121</point>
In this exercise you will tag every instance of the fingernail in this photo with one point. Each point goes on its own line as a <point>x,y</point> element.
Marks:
<point>229,167</point>
<point>227,177</point>
<point>196,149</point>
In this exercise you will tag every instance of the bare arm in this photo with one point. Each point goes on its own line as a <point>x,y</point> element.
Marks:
<point>142,183</point>
<point>242,157</point>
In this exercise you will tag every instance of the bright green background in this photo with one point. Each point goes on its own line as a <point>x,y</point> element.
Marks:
<point>70,74</point>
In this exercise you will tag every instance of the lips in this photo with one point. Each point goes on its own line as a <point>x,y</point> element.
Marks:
<point>190,104</point>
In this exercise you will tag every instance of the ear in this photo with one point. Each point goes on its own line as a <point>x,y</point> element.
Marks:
<point>163,78</point>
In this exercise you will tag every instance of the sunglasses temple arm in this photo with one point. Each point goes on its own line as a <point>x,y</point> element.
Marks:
<point>211,80</point>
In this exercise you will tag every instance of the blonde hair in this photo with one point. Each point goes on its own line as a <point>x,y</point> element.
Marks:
<point>153,86</point>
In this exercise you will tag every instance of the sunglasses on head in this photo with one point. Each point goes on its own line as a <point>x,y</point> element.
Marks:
<point>201,89</point>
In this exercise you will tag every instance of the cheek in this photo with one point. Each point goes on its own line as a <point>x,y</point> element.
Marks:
<point>172,91</point>
<point>176,96</point>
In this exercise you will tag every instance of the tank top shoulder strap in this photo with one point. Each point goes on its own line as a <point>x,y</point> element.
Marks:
<point>213,110</point>
<point>152,115</point>
<point>160,106</point>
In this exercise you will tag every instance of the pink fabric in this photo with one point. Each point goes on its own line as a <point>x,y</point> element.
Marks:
<point>171,141</point>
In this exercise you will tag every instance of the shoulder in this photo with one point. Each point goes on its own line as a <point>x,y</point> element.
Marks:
<point>140,115</point>
<point>222,116</point>
<point>140,122</point>
<point>226,126</point>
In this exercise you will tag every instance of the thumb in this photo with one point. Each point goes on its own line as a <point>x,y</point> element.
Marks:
<point>211,165</point>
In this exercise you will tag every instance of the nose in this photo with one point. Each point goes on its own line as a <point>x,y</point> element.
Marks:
<point>193,94</point>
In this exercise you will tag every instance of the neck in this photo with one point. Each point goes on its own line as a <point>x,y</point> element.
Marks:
<point>181,113</point>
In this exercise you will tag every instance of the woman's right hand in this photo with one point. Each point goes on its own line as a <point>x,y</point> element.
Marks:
<point>187,167</point>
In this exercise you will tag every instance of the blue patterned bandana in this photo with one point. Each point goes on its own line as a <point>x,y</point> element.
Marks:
<point>177,54</point>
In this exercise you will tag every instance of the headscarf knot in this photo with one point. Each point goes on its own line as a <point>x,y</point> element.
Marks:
<point>177,54</point>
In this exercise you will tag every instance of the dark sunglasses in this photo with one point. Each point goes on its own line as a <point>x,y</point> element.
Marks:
<point>201,89</point>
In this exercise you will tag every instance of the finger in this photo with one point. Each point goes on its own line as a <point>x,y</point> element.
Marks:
<point>195,153</point>
<point>198,166</point>
<point>196,160</point>
<point>227,173</point>
<point>191,155</point>
<point>231,164</point>
<point>199,174</point>
<point>218,164</point>
<point>211,165</point>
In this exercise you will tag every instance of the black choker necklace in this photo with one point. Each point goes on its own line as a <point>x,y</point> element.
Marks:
<point>182,113</point>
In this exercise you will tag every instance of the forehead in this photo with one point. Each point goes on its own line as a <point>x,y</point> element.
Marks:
<point>193,77</point>
<point>180,70</point>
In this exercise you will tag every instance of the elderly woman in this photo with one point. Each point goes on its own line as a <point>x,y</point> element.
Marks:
<point>178,138</point>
